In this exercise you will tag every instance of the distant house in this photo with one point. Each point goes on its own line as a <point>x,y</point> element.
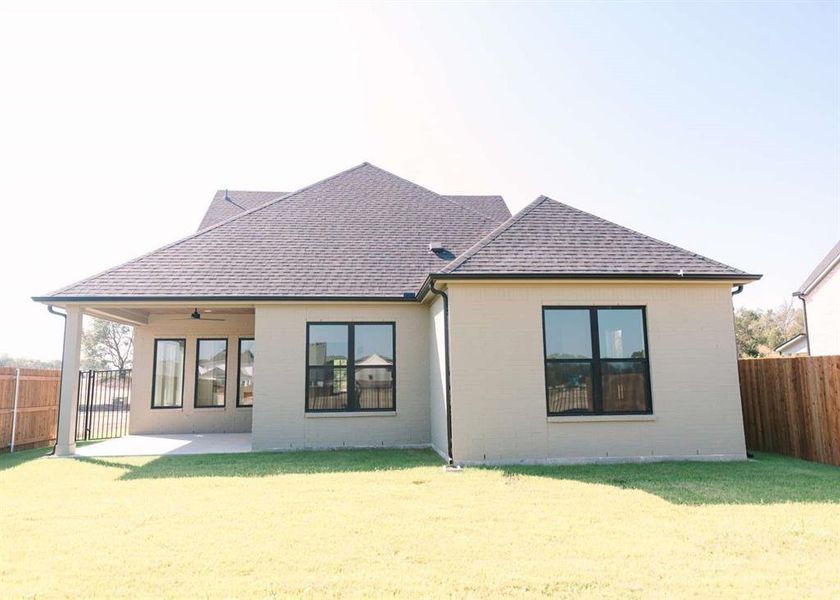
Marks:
<point>795,346</point>
<point>820,294</point>
<point>365,310</point>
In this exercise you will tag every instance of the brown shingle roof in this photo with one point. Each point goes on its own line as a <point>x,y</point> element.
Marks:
<point>237,201</point>
<point>490,206</point>
<point>362,233</point>
<point>365,233</point>
<point>548,237</point>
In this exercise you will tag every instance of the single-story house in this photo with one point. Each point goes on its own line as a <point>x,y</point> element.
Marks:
<point>795,346</point>
<point>365,311</point>
<point>820,295</point>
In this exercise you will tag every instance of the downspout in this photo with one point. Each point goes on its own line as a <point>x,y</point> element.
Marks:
<point>801,296</point>
<point>445,297</point>
<point>61,375</point>
<point>737,290</point>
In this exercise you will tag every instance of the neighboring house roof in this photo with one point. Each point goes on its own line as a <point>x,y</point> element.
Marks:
<point>797,343</point>
<point>229,203</point>
<point>374,360</point>
<point>827,264</point>
<point>548,237</point>
<point>365,233</point>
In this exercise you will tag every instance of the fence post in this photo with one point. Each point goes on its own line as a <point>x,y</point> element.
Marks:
<point>78,407</point>
<point>88,395</point>
<point>14,410</point>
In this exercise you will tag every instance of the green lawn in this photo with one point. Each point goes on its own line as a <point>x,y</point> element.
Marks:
<point>384,523</point>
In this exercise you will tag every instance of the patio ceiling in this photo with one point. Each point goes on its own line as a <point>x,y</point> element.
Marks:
<point>139,315</point>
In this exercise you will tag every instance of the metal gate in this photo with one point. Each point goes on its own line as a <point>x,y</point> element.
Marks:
<point>104,402</point>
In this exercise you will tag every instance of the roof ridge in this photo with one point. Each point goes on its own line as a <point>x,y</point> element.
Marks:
<point>265,204</point>
<point>251,192</point>
<point>487,239</point>
<point>441,196</point>
<point>644,235</point>
<point>205,230</point>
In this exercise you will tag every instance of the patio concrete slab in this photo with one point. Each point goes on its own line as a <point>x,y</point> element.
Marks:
<point>161,445</point>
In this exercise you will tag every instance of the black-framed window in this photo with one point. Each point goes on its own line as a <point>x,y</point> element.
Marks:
<point>168,373</point>
<point>350,367</point>
<point>596,360</point>
<point>245,373</point>
<point>210,372</point>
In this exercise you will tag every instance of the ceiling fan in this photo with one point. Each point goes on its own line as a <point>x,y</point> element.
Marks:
<point>197,316</point>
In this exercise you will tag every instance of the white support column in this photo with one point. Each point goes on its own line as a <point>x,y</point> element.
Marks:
<point>69,400</point>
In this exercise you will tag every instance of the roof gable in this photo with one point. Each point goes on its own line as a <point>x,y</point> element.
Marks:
<point>548,237</point>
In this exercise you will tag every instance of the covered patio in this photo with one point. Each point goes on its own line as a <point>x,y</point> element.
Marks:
<point>163,445</point>
<point>191,389</point>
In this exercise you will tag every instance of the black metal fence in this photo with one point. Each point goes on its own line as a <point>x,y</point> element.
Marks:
<point>104,403</point>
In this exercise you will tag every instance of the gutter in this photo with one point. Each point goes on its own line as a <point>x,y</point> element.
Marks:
<point>425,288</point>
<point>445,297</point>
<point>61,375</point>
<point>801,296</point>
<point>406,297</point>
<point>570,275</point>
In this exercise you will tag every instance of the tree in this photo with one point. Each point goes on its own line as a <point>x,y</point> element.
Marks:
<point>28,363</point>
<point>758,331</point>
<point>748,334</point>
<point>107,345</point>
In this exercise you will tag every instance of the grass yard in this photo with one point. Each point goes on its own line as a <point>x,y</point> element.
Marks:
<point>380,523</point>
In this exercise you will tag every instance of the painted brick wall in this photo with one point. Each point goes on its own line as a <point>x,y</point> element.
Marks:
<point>228,419</point>
<point>280,421</point>
<point>498,394</point>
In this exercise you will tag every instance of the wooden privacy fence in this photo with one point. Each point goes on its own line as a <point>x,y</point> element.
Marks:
<point>792,406</point>
<point>37,407</point>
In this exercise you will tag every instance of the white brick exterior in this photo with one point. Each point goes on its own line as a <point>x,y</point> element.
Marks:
<point>498,393</point>
<point>280,422</point>
<point>228,419</point>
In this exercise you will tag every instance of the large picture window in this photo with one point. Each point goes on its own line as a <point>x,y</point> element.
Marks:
<point>168,376</point>
<point>596,361</point>
<point>245,385</point>
<point>350,367</point>
<point>210,373</point>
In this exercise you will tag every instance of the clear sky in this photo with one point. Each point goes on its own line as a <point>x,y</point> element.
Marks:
<point>714,126</point>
